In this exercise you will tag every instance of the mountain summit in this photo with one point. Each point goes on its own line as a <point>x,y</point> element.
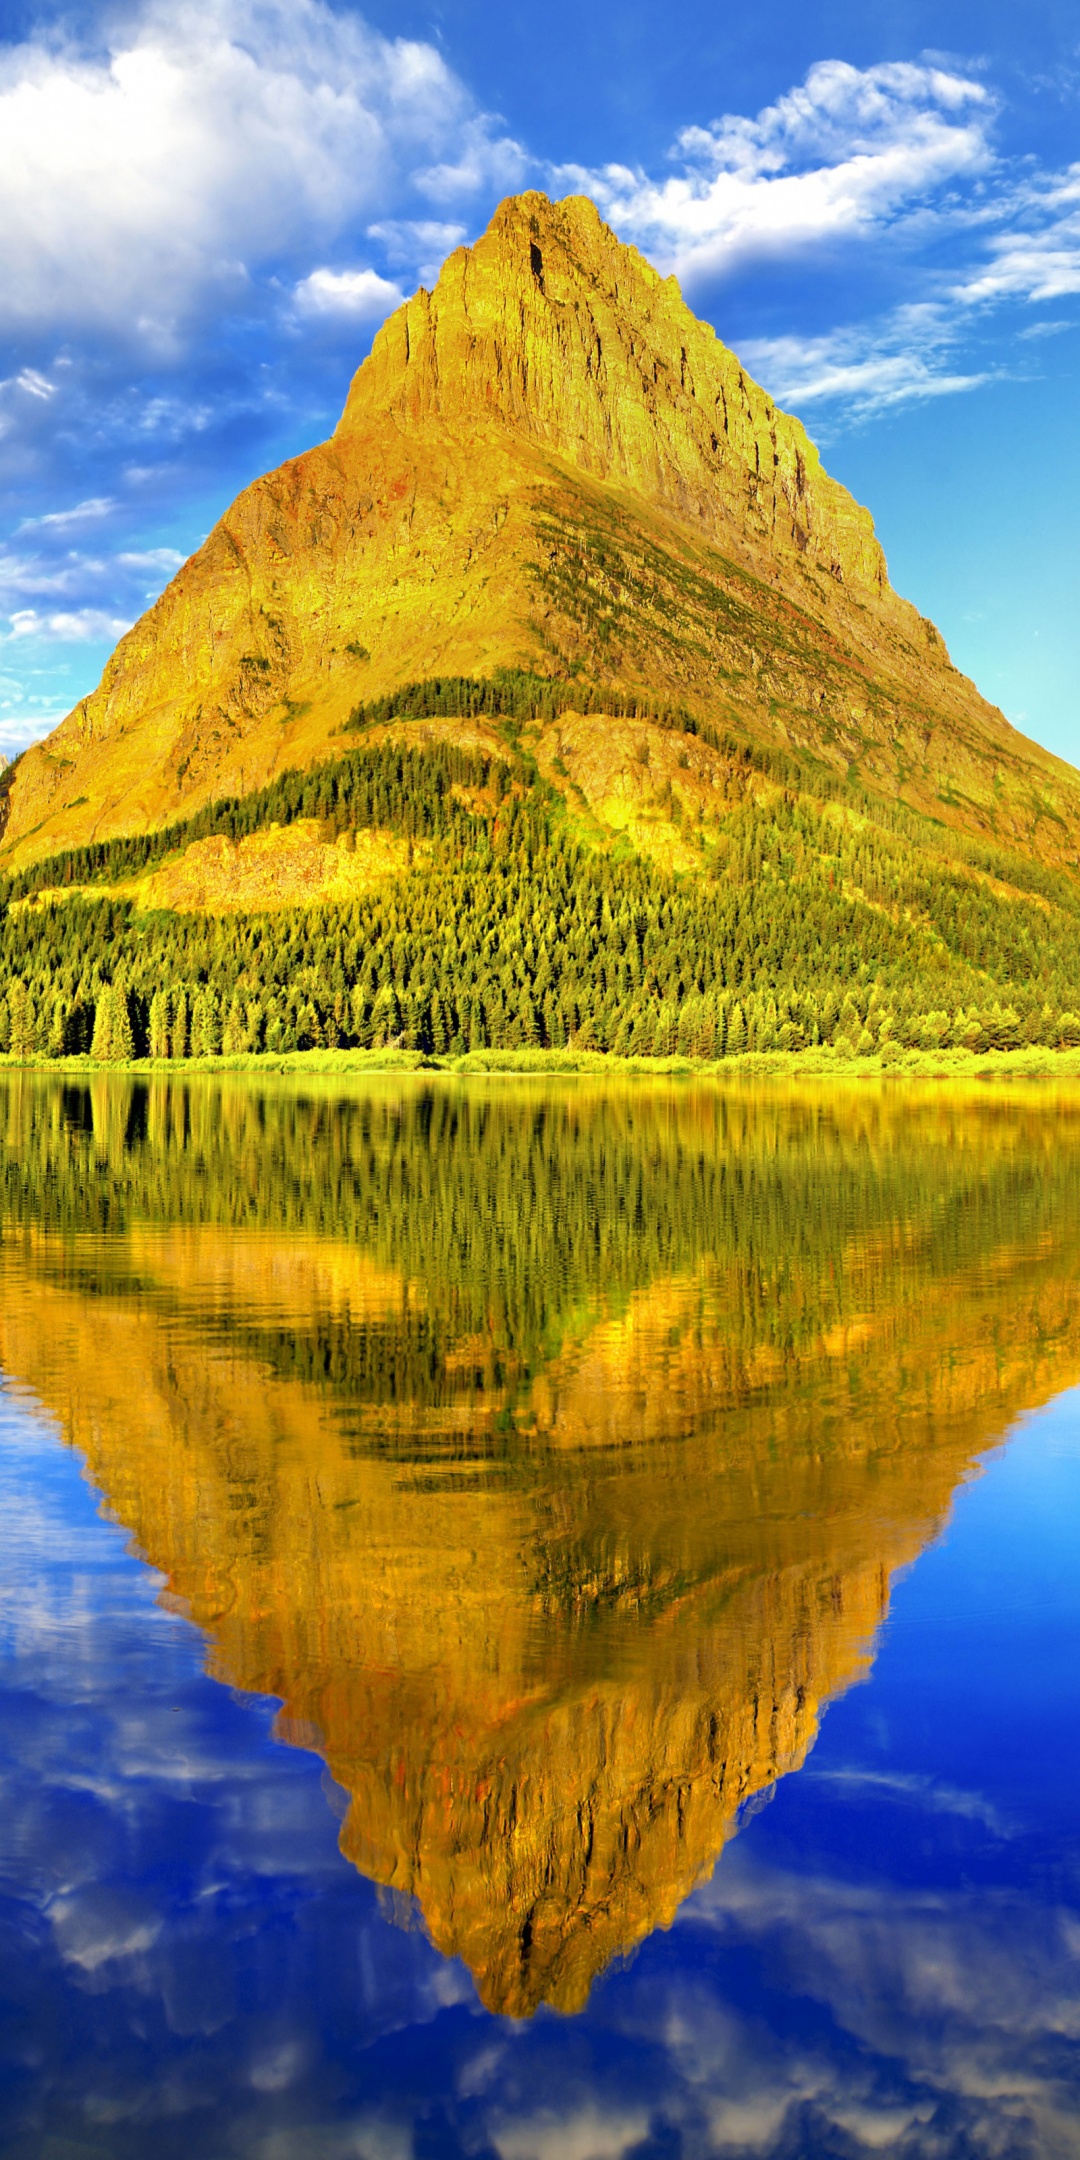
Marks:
<point>546,464</point>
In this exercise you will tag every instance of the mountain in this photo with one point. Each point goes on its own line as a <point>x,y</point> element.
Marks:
<point>552,1522</point>
<point>564,588</point>
<point>547,463</point>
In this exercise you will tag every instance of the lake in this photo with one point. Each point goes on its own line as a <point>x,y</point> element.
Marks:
<point>539,1620</point>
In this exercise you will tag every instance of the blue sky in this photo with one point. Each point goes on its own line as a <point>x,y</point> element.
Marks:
<point>206,210</point>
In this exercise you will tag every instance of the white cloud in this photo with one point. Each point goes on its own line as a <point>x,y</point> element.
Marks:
<point>27,576</point>
<point>361,295</point>
<point>66,627</point>
<point>35,576</point>
<point>162,558</point>
<point>210,141</point>
<point>931,1796</point>
<point>16,733</point>
<point>101,1923</point>
<point>1046,329</point>
<point>864,370</point>
<point>35,385</point>
<point>56,613</point>
<point>1037,255</point>
<point>406,239</point>
<point>420,243</point>
<point>848,151</point>
<point>584,2133</point>
<point>481,161</point>
<point>96,506</point>
<point>847,157</point>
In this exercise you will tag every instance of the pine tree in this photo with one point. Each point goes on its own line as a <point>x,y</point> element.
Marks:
<point>113,1039</point>
<point>234,1033</point>
<point>58,1029</point>
<point>20,1020</point>
<point>360,1017</point>
<point>178,1033</point>
<point>205,1024</point>
<point>440,1035</point>
<point>309,1034</point>
<point>101,1046</point>
<point>160,1016</point>
<point>123,1038</point>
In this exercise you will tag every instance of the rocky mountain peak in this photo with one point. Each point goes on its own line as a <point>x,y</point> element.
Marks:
<point>552,326</point>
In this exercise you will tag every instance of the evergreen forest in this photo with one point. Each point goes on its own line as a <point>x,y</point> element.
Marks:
<point>815,913</point>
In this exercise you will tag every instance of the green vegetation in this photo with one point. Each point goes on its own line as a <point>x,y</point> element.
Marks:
<point>412,792</point>
<point>817,918</point>
<point>1034,1062</point>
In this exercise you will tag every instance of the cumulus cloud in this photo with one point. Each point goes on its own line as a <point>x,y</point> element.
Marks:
<point>359,295</point>
<point>140,187</point>
<point>847,151</point>
<point>17,729</point>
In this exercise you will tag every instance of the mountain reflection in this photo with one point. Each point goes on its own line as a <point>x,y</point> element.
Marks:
<point>546,1450</point>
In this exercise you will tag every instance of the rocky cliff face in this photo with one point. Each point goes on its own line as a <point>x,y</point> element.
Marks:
<point>550,329</point>
<point>546,462</point>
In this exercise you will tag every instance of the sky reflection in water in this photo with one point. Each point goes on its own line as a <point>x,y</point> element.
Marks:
<point>885,1958</point>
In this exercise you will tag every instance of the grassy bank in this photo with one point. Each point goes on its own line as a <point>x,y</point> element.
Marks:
<point>824,1063</point>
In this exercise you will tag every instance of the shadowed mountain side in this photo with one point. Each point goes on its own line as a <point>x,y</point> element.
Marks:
<point>546,463</point>
<point>546,1677</point>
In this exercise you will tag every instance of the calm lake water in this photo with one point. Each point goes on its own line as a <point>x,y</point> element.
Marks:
<point>538,1621</point>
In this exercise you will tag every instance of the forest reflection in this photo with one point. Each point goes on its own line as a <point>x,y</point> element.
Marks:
<point>546,1448</point>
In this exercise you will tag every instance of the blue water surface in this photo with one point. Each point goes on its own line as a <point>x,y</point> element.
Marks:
<point>887,1958</point>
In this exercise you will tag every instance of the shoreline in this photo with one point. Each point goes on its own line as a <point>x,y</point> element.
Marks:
<point>1033,1063</point>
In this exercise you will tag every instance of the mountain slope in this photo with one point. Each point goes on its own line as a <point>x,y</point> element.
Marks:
<point>545,464</point>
